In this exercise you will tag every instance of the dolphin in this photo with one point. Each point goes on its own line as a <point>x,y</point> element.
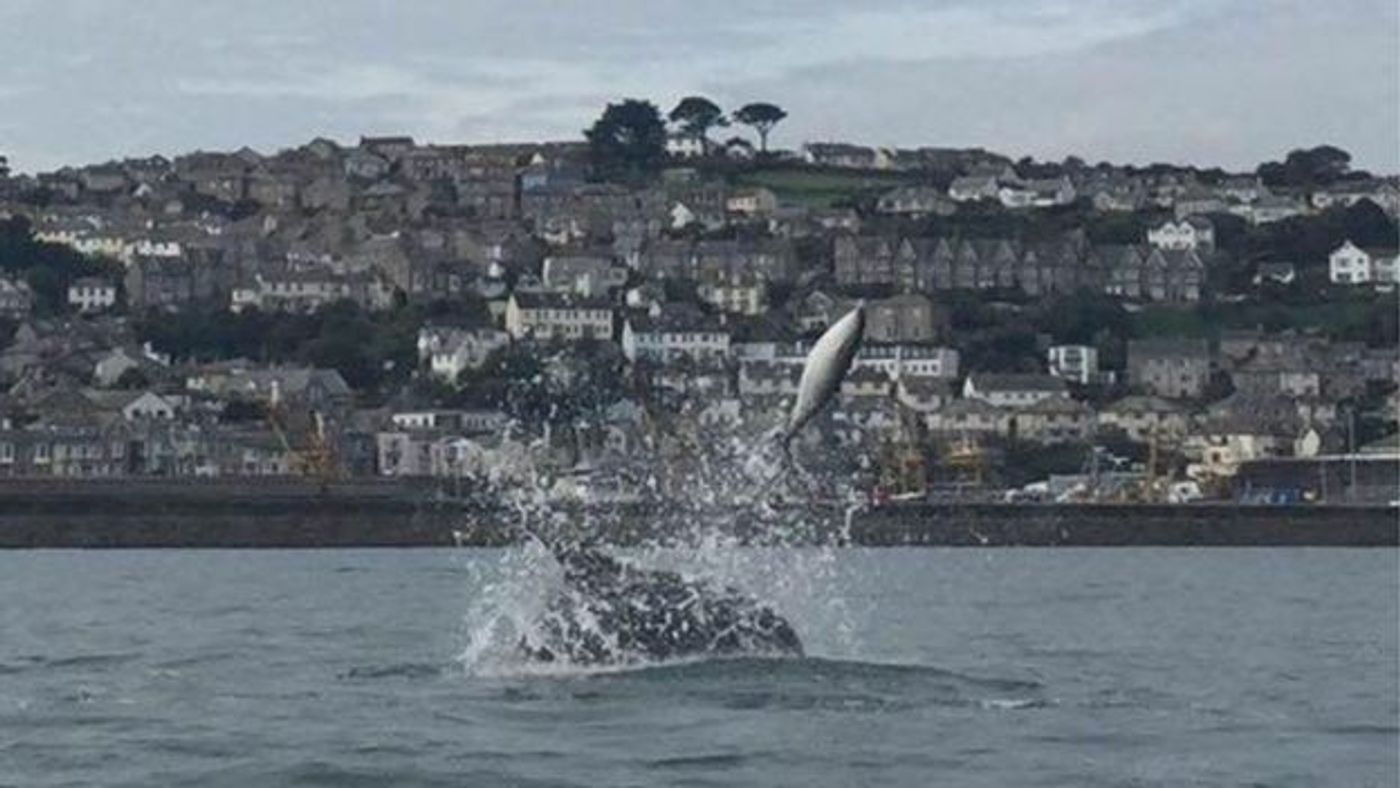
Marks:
<point>827,363</point>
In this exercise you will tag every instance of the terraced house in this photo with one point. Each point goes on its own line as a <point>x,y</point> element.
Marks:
<point>548,316</point>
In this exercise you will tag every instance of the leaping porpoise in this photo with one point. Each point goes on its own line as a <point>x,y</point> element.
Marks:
<point>827,364</point>
<point>610,613</point>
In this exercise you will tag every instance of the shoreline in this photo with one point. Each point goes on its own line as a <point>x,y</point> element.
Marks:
<point>375,513</point>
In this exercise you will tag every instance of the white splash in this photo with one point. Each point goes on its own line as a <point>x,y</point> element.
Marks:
<point>707,534</point>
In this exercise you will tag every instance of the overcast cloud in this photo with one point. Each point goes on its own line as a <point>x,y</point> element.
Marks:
<point>1213,82</point>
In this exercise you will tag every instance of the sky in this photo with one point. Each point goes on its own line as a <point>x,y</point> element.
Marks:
<point>1210,82</point>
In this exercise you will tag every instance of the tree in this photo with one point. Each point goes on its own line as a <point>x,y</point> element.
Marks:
<point>47,268</point>
<point>628,142</point>
<point>1317,166</point>
<point>133,378</point>
<point>1079,317</point>
<point>4,166</point>
<point>762,118</point>
<point>696,115</point>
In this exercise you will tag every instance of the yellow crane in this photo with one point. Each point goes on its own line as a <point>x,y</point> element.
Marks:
<point>967,461</point>
<point>903,468</point>
<point>317,458</point>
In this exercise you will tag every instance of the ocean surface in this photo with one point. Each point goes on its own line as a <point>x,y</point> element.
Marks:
<point>1007,667</point>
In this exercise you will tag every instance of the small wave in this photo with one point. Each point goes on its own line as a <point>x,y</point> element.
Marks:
<point>527,669</point>
<point>1013,704</point>
<point>408,670</point>
<point>692,668</point>
<point>724,760</point>
<point>832,668</point>
<point>61,663</point>
<point>330,774</point>
<point>179,664</point>
<point>789,683</point>
<point>1363,729</point>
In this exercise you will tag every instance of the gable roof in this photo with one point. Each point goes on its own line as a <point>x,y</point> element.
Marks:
<point>986,382</point>
<point>676,318</point>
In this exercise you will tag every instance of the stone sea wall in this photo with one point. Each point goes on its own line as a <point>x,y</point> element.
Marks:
<point>293,513</point>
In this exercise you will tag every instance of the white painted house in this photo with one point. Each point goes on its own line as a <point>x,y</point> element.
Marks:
<point>92,294</point>
<point>582,274</point>
<point>685,146</point>
<point>969,188</point>
<point>1193,232</point>
<point>674,331</point>
<point>1350,264</point>
<point>901,360</point>
<point>549,316</point>
<point>448,351</point>
<point>1079,363</point>
<point>149,405</point>
<point>1013,390</point>
<point>743,295</point>
<point>464,421</point>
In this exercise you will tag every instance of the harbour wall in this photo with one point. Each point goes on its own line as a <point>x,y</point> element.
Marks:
<point>295,513</point>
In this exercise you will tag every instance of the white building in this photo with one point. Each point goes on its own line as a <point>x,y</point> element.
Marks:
<point>751,202</point>
<point>1350,264</point>
<point>1079,363</point>
<point>89,235</point>
<point>464,421</point>
<point>91,294</point>
<point>897,360</point>
<point>583,275</point>
<point>674,331</point>
<point>549,316</point>
<point>448,351</point>
<point>970,188</point>
<point>742,296</point>
<point>150,405</point>
<point>307,289</point>
<point>685,146</point>
<point>908,360</point>
<point>153,247</point>
<point>1013,390</point>
<point>1193,232</point>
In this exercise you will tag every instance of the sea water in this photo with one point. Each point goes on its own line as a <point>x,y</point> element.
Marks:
<point>1114,667</point>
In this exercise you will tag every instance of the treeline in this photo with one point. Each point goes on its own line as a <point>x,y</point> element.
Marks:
<point>628,141</point>
<point>1305,240</point>
<point>47,268</point>
<point>1013,334</point>
<point>374,351</point>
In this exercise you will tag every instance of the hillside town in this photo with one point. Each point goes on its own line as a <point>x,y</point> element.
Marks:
<point>1037,331</point>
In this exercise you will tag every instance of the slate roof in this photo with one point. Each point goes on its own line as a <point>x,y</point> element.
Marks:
<point>676,318</point>
<point>543,300</point>
<point>1019,382</point>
